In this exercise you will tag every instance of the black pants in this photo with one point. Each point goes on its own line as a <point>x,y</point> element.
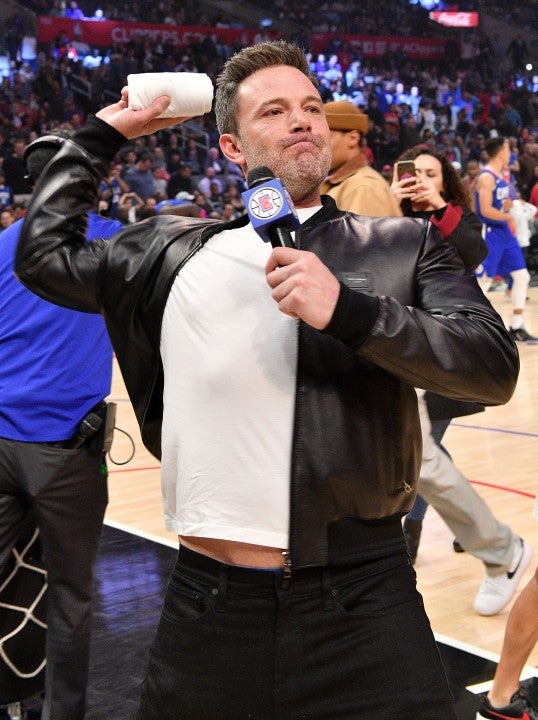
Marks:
<point>349,643</point>
<point>67,491</point>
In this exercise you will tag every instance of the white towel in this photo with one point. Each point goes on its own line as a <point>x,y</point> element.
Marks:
<point>191,94</point>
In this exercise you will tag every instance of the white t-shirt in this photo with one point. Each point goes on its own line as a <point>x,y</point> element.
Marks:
<point>229,359</point>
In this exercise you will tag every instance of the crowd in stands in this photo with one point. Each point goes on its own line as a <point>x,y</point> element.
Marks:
<point>391,17</point>
<point>477,90</point>
<point>165,12</point>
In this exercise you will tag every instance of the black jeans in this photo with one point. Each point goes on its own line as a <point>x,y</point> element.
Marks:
<point>348,643</point>
<point>67,492</point>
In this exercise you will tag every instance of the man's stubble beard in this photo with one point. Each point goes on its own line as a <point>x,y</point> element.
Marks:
<point>304,177</point>
<point>301,175</point>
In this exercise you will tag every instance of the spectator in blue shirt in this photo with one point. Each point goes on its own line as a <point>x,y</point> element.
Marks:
<point>55,372</point>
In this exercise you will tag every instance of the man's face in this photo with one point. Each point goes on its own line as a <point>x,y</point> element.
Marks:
<point>227,212</point>
<point>505,152</point>
<point>473,168</point>
<point>282,125</point>
<point>6,218</point>
<point>340,148</point>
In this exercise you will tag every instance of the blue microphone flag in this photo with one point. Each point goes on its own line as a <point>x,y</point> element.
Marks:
<point>268,203</point>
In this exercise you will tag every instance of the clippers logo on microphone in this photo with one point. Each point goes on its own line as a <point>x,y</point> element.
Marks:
<point>265,203</point>
<point>270,207</point>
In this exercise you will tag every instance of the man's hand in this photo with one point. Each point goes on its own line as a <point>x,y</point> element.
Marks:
<point>302,286</point>
<point>135,123</point>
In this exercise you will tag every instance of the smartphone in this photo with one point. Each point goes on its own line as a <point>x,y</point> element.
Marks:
<point>405,169</point>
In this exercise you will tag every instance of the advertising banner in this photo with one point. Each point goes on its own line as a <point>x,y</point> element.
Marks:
<point>100,33</point>
<point>456,19</point>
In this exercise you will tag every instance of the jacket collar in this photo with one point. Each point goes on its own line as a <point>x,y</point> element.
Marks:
<point>328,211</point>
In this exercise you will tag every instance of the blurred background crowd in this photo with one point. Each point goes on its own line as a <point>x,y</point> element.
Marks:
<point>485,84</point>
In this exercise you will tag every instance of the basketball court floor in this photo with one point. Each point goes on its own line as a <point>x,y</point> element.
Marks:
<point>497,450</point>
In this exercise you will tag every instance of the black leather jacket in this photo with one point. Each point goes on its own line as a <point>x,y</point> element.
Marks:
<point>461,227</point>
<point>408,315</point>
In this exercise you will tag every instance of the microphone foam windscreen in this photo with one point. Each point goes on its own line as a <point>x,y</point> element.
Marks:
<point>259,175</point>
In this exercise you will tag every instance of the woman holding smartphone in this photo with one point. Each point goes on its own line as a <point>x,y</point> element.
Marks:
<point>427,186</point>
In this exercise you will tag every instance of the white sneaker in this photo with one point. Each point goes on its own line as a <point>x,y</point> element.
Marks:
<point>496,591</point>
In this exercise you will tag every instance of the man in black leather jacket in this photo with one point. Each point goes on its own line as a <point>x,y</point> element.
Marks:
<point>277,388</point>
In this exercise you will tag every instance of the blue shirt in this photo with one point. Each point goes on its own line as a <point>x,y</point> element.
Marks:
<point>55,363</point>
<point>116,193</point>
<point>501,192</point>
<point>140,182</point>
<point>6,196</point>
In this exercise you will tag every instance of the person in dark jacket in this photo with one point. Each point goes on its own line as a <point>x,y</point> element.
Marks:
<point>276,385</point>
<point>438,194</point>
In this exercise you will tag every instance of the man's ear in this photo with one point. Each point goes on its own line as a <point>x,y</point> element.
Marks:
<point>231,149</point>
<point>354,138</point>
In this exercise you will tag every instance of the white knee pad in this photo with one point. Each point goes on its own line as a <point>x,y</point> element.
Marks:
<point>521,280</point>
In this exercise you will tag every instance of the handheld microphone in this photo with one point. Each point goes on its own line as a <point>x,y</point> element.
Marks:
<point>270,207</point>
